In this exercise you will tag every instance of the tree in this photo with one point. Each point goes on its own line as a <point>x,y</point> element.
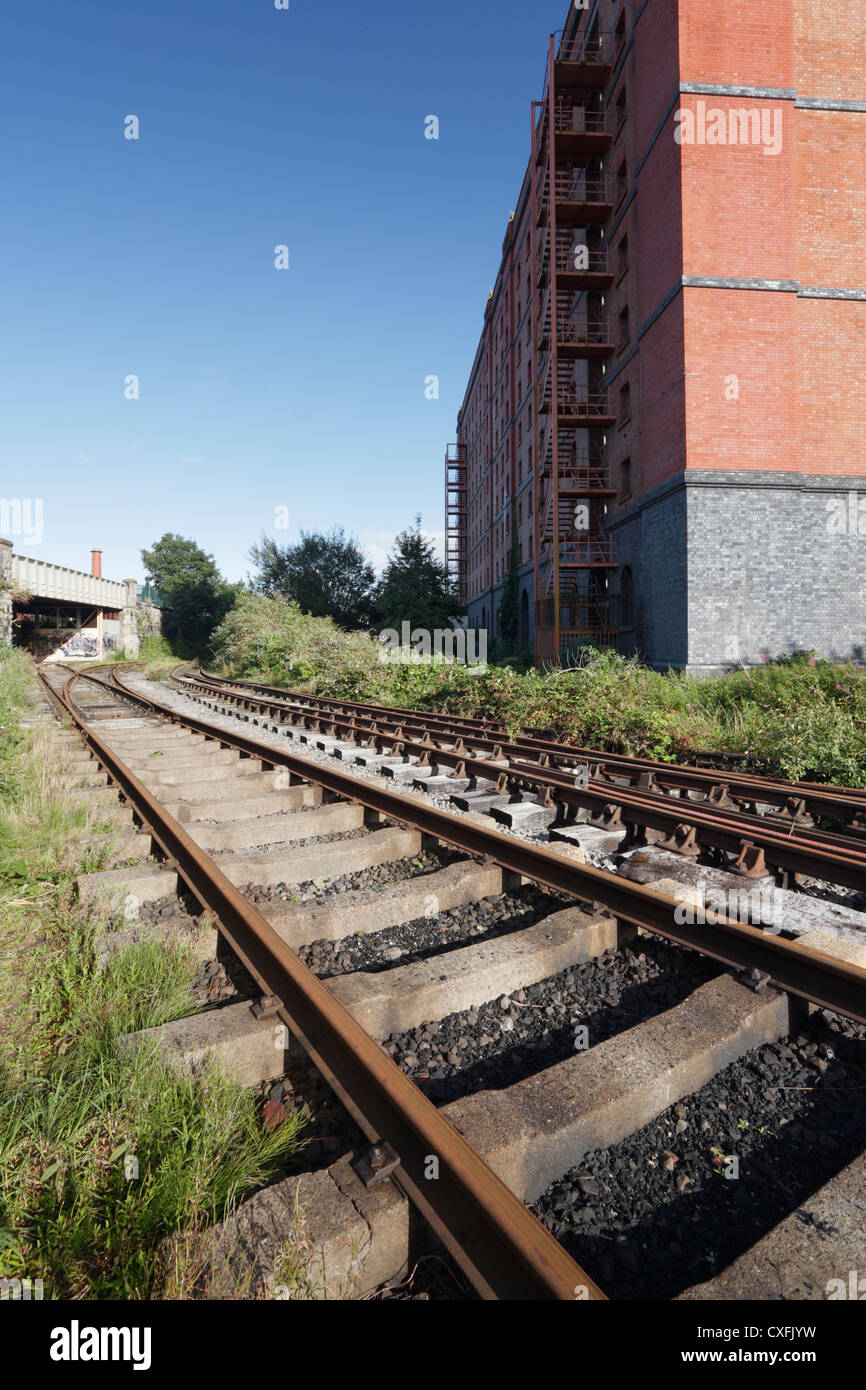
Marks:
<point>195,595</point>
<point>509,611</point>
<point>327,576</point>
<point>416,587</point>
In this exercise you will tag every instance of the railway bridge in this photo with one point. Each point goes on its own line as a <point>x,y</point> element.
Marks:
<point>63,613</point>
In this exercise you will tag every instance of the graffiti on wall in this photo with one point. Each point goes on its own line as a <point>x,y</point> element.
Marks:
<point>68,642</point>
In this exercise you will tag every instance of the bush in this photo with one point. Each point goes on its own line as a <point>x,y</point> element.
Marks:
<point>797,717</point>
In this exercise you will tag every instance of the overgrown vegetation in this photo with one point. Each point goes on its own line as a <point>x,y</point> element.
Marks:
<point>798,717</point>
<point>194,593</point>
<point>328,576</point>
<point>104,1152</point>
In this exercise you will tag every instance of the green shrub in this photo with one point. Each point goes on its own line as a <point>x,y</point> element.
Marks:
<point>797,717</point>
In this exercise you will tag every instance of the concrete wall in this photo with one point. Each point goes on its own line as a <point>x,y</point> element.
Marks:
<point>72,586</point>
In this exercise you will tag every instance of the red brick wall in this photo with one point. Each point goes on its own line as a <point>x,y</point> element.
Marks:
<point>662,400</point>
<point>831,377</point>
<point>749,335</point>
<point>738,202</point>
<point>658,216</point>
<point>746,43</point>
<point>656,65</point>
<point>831,197</point>
<point>829,48</point>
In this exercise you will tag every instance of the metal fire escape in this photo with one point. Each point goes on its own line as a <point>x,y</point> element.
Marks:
<point>456,518</point>
<point>572,198</point>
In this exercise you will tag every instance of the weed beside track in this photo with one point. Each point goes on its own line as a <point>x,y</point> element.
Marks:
<point>104,1151</point>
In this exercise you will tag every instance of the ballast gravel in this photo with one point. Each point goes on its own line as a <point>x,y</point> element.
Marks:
<point>174,699</point>
<point>430,936</point>
<point>523,1033</point>
<point>313,890</point>
<point>676,1202</point>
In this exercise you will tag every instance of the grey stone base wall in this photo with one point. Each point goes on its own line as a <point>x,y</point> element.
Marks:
<point>734,567</point>
<point>777,563</point>
<point>650,539</point>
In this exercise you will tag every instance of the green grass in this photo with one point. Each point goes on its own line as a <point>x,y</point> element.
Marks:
<point>104,1151</point>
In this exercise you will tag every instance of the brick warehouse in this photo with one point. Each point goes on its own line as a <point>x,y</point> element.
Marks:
<point>668,400</point>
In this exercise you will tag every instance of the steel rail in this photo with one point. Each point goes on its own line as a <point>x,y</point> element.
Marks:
<point>822,804</point>
<point>828,799</point>
<point>822,980</point>
<point>792,850</point>
<point>478,725</point>
<point>501,1246</point>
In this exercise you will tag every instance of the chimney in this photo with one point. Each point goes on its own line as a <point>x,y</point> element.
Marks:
<point>96,564</point>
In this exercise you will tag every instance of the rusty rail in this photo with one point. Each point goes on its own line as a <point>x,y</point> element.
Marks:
<point>788,848</point>
<point>504,1251</point>
<point>501,1246</point>
<point>748,785</point>
<point>820,979</point>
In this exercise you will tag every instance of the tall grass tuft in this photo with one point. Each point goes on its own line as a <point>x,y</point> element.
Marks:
<point>104,1150</point>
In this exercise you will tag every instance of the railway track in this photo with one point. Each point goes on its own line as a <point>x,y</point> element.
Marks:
<point>533,745</point>
<point>299,859</point>
<point>519,785</point>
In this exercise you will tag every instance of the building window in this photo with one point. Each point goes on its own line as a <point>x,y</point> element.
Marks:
<point>626,598</point>
<point>622,256</point>
<point>619,33</point>
<point>621,181</point>
<point>625,479</point>
<point>620,110</point>
<point>624,332</point>
<point>624,404</point>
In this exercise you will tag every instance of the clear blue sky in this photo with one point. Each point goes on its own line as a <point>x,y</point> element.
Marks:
<point>259,388</point>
